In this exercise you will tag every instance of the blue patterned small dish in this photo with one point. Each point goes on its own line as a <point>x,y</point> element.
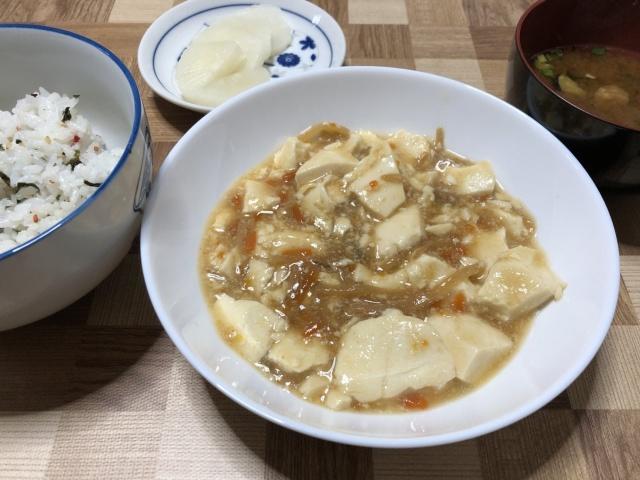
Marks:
<point>318,42</point>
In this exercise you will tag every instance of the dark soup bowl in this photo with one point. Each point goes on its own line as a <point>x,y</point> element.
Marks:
<point>575,68</point>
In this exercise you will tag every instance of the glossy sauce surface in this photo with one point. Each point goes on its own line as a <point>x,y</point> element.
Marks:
<point>326,266</point>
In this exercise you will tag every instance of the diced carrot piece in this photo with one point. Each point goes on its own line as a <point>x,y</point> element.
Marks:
<point>250,241</point>
<point>452,254</point>
<point>297,214</point>
<point>459,303</point>
<point>288,177</point>
<point>236,199</point>
<point>414,401</point>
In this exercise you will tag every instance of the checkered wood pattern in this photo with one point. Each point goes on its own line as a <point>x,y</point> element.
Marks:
<point>99,391</point>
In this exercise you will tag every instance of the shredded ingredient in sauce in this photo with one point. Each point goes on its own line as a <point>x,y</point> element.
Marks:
<point>373,272</point>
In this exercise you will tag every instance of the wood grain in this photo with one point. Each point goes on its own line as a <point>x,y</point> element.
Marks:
<point>493,74</point>
<point>441,42</point>
<point>99,391</point>
<point>313,458</point>
<point>630,268</point>
<point>378,12</point>
<point>492,13</point>
<point>611,381</point>
<point>466,70</point>
<point>613,439</point>
<point>492,43</point>
<point>94,11</point>
<point>441,13</point>
<point>544,445</point>
<point>379,41</point>
<point>457,461</point>
<point>121,300</point>
<point>138,11</point>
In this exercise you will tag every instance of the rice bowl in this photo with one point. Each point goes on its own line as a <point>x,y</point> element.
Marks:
<point>69,258</point>
<point>50,162</point>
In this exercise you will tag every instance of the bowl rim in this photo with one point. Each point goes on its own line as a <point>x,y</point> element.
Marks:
<point>127,149</point>
<point>184,11</point>
<point>540,79</point>
<point>263,411</point>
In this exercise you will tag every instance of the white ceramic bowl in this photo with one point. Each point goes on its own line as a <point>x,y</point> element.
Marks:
<point>573,226</point>
<point>63,263</point>
<point>318,42</point>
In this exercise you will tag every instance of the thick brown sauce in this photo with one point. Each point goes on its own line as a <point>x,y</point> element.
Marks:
<point>318,310</point>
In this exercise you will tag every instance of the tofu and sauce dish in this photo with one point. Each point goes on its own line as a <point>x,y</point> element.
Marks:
<point>373,272</point>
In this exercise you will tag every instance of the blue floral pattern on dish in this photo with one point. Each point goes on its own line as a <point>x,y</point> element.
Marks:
<point>299,56</point>
<point>288,60</point>
<point>307,42</point>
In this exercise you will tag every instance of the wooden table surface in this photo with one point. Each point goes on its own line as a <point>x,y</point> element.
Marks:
<point>99,391</point>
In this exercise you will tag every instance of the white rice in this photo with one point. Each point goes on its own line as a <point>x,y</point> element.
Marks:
<point>39,145</point>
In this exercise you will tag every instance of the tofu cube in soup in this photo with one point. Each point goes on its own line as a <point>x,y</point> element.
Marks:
<point>413,147</point>
<point>317,204</point>
<point>424,271</point>
<point>314,386</point>
<point>248,325</point>
<point>373,272</point>
<point>475,345</point>
<point>371,183</point>
<point>258,196</point>
<point>258,275</point>
<point>398,232</point>
<point>293,353</point>
<point>325,162</point>
<point>382,357</point>
<point>336,400</point>
<point>290,155</point>
<point>517,283</point>
<point>476,179</point>
<point>488,246</point>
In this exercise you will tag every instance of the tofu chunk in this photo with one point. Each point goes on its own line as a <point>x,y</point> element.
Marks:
<point>427,271</point>
<point>382,357</point>
<point>379,195</point>
<point>518,282</point>
<point>318,205</point>
<point>293,353</point>
<point>223,219</point>
<point>325,162</point>
<point>249,326</point>
<point>512,222</point>
<point>475,345</point>
<point>314,386</point>
<point>329,279</point>
<point>440,229</point>
<point>290,155</point>
<point>488,246</point>
<point>336,400</point>
<point>476,179</point>
<point>279,242</point>
<point>387,281</point>
<point>424,271</point>
<point>258,275</point>
<point>412,146</point>
<point>258,196</point>
<point>226,262</point>
<point>398,232</point>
